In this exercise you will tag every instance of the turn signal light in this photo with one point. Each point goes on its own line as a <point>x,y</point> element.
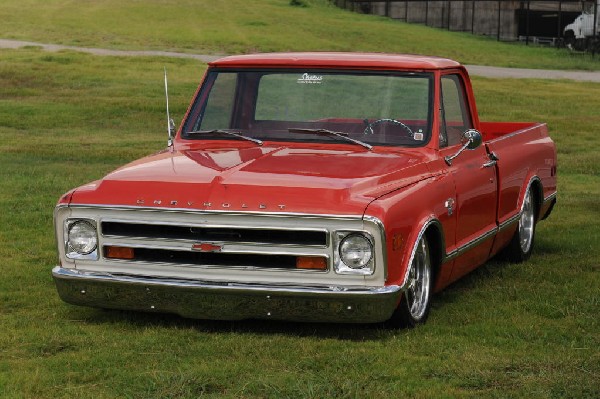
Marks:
<point>118,252</point>
<point>311,262</point>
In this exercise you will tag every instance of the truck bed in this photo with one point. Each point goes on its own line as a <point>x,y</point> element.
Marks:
<point>494,130</point>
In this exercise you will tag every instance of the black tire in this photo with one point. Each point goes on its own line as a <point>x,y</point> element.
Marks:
<point>569,39</point>
<point>416,300</point>
<point>521,245</point>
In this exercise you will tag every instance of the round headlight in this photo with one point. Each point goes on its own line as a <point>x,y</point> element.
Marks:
<point>356,251</point>
<point>82,237</point>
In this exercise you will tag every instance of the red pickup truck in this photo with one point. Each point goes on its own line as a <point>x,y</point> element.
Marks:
<point>333,187</point>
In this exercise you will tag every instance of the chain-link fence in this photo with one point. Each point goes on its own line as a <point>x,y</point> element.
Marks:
<point>533,21</point>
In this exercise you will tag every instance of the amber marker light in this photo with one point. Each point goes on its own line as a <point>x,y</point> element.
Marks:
<point>118,252</point>
<point>311,262</point>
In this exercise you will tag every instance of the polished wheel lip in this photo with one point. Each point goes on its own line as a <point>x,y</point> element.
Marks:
<point>418,290</point>
<point>526,223</point>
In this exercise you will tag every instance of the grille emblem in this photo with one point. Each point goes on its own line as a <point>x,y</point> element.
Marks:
<point>207,247</point>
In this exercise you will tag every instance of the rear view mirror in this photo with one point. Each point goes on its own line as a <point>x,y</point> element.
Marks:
<point>471,139</point>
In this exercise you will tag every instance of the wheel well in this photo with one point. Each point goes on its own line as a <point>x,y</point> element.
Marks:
<point>538,197</point>
<point>437,251</point>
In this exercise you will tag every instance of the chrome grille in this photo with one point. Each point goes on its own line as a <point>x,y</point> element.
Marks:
<point>214,258</point>
<point>219,246</point>
<point>210,244</point>
<point>219,234</point>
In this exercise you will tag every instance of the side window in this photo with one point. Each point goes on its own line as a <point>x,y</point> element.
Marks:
<point>454,113</point>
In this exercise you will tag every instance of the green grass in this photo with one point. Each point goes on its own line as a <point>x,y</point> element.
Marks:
<point>241,26</point>
<point>527,330</point>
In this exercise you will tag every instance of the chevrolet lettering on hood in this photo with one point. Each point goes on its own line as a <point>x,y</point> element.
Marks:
<point>207,205</point>
<point>319,187</point>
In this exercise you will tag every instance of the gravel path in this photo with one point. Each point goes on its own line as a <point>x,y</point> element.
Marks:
<point>476,70</point>
<point>101,51</point>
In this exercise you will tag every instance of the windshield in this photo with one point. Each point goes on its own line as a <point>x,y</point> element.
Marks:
<point>374,108</point>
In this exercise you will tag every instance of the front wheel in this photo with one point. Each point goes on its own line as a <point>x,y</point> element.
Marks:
<point>415,303</point>
<point>521,245</point>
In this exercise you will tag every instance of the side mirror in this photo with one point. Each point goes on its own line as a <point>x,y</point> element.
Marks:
<point>471,139</point>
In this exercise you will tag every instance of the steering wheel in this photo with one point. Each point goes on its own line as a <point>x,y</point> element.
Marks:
<point>369,128</point>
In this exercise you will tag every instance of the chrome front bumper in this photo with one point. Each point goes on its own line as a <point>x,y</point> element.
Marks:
<point>227,301</point>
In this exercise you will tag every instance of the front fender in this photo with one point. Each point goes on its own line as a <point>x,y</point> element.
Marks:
<point>410,213</point>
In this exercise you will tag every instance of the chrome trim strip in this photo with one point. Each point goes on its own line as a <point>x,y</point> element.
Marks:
<point>240,243</point>
<point>223,226</point>
<point>216,212</point>
<point>471,244</point>
<point>228,301</point>
<point>551,197</point>
<point>509,222</point>
<point>211,225</point>
<point>224,251</point>
<point>431,220</point>
<point>520,131</point>
<point>377,222</point>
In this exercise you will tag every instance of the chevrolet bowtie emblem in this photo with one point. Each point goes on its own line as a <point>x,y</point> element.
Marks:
<point>207,247</point>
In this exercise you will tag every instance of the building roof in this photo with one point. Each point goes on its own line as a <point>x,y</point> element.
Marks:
<point>337,60</point>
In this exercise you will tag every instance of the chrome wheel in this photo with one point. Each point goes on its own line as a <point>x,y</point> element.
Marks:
<point>526,223</point>
<point>419,283</point>
<point>521,244</point>
<point>416,300</point>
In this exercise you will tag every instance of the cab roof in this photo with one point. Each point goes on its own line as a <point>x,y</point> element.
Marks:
<point>336,60</point>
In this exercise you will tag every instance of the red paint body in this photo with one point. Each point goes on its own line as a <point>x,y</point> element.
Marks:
<point>404,188</point>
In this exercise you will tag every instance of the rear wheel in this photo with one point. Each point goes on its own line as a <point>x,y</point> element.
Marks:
<point>415,303</point>
<point>521,245</point>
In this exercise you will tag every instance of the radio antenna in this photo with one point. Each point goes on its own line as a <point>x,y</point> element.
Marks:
<point>170,123</point>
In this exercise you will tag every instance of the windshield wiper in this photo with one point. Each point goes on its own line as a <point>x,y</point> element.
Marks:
<point>228,133</point>
<point>326,132</point>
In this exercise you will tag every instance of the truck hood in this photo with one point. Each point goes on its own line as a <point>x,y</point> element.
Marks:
<point>259,179</point>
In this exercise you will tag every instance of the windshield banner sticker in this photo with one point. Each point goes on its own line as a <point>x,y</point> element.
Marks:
<point>310,79</point>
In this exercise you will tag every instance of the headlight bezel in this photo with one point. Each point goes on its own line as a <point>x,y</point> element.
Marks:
<point>343,237</point>
<point>70,251</point>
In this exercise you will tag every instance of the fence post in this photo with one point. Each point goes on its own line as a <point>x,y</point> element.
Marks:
<point>499,9</point>
<point>527,24</point>
<point>449,12</point>
<point>558,28</point>
<point>472,16</point>
<point>595,18</point>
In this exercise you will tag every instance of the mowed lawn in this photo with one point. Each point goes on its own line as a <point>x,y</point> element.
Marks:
<point>242,26</point>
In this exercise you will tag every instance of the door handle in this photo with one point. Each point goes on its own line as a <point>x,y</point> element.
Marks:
<point>493,160</point>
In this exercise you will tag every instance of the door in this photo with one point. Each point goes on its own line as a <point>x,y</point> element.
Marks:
<point>476,192</point>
